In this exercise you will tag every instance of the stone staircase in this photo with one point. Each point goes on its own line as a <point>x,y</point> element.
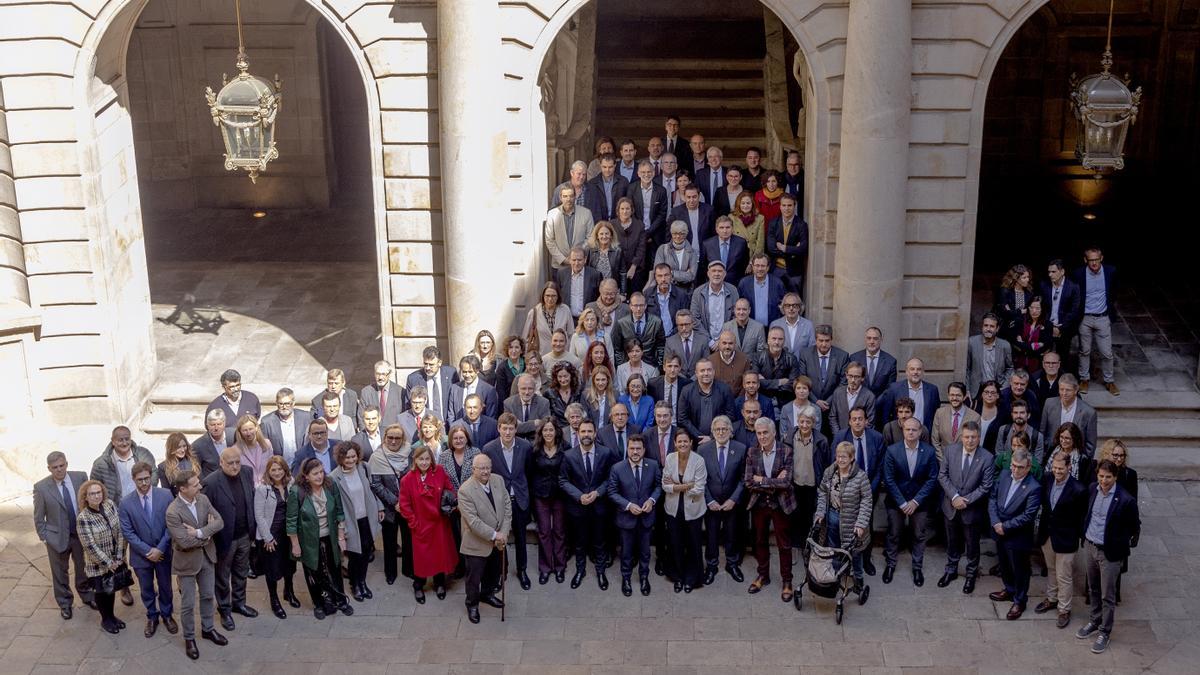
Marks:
<point>180,407</point>
<point>1161,428</point>
<point>720,98</point>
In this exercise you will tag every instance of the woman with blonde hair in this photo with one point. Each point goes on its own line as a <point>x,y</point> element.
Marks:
<point>485,351</point>
<point>844,502</point>
<point>270,515</point>
<point>598,395</point>
<point>99,529</point>
<point>431,434</point>
<point>587,332</point>
<point>748,223</point>
<point>180,457</point>
<point>435,553</point>
<point>605,254</point>
<point>255,447</point>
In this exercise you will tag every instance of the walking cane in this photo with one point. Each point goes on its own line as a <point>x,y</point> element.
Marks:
<point>503,580</point>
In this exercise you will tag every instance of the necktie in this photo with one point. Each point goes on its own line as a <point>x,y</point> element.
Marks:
<point>621,440</point>
<point>725,253</point>
<point>824,367</point>
<point>687,351</point>
<point>587,466</point>
<point>574,440</point>
<point>490,499</point>
<point>721,460</point>
<point>662,445</point>
<point>656,166</point>
<point>862,456</point>
<point>671,398</point>
<point>67,502</point>
<point>637,478</point>
<point>954,426</point>
<point>966,463</point>
<point>714,183</point>
<point>382,399</point>
<point>871,368</point>
<point>525,412</point>
<point>146,506</point>
<point>640,324</point>
<point>434,397</point>
<point>475,431</point>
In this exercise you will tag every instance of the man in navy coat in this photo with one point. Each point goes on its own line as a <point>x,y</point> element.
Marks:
<point>635,486</point>
<point>910,471</point>
<point>584,481</point>
<point>143,516</point>
<point>510,457</point>
<point>924,394</point>
<point>1016,497</point>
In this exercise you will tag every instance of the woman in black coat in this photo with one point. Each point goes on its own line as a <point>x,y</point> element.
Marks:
<point>631,238</point>
<point>545,465</point>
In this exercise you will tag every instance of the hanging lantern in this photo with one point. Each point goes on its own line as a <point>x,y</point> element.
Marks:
<point>245,112</point>
<point>1105,109</point>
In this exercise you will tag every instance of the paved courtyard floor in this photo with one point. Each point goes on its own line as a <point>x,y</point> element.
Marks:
<point>718,629</point>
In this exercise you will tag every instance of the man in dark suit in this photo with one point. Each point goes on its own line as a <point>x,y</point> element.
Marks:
<point>1083,414</point>
<point>1013,514</point>
<point>615,435</point>
<point>824,364</point>
<point>1098,292</point>
<point>674,144</point>
<point>335,381</point>
<point>1110,528</point>
<point>703,400</point>
<point>603,191</point>
<point>742,430</point>
<point>1045,381</point>
<point>584,480</point>
<point>530,408</point>
<point>730,249</point>
<point>143,515</point>
<point>910,470</point>
<point>869,452</point>
<point>660,436</point>
<point>787,242</point>
<point>437,380</point>
<point>690,342</point>
<point>764,290</point>
<point>1060,529</point>
<point>371,436</point>
<point>768,477</point>
<point>667,387</point>
<point>1062,306</point>
<point>711,177</point>
<point>635,486</point>
<point>209,446</point>
<point>317,446</point>
<point>879,366</point>
<point>664,298</point>
<point>966,481</point>
<point>642,326</point>
<point>925,395</point>
<point>650,205</point>
<point>510,457</point>
<point>576,271</point>
<point>725,462</point>
<point>481,428</point>
<point>55,507</point>
<point>469,383</point>
<point>388,396</point>
<point>698,216</point>
<point>286,427</point>
<point>234,402</point>
<point>1018,390</point>
<point>231,491</point>
<point>792,178</point>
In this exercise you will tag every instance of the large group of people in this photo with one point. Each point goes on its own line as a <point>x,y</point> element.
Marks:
<point>665,404</point>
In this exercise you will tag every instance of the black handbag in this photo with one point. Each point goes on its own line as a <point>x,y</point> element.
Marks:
<point>449,503</point>
<point>117,580</point>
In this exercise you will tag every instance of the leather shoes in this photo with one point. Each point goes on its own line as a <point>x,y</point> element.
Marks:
<point>969,585</point>
<point>709,577</point>
<point>946,579</point>
<point>1064,618</point>
<point>169,623</point>
<point>473,614</point>
<point>735,573</point>
<point>356,593</point>
<point>277,609</point>
<point>193,652</point>
<point>888,573</point>
<point>366,590</point>
<point>110,627</point>
<point>1112,388</point>
<point>246,611</point>
<point>658,567</point>
<point>678,587</point>
<point>687,588</point>
<point>757,585</point>
<point>626,587</point>
<point>151,628</point>
<point>1083,386</point>
<point>126,597</point>
<point>92,604</point>
<point>492,601</point>
<point>1015,611</point>
<point>66,613</point>
<point>918,578</point>
<point>227,621</point>
<point>1044,606</point>
<point>645,586</point>
<point>999,596</point>
<point>578,578</point>
<point>559,576</point>
<point>292,600</point>
<point>543,578</point>
<point>440,592</point>
<point>524,579</point>
<point>869,567</point>
<point>214,637</point>
<point>602,580</point>
<point>419,595</point>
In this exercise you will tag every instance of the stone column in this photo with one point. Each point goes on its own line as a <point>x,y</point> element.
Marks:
<point>473,158</point>
<point>873,181</point>
<point>14,285</point>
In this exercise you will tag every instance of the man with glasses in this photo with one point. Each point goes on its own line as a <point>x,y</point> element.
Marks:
<point>1045,382</point>
<point>1013,509</point>
<point>318,446</point>
<point>143,516</point>
<point>793,176</point>
<point>1098,285</point>
<point>798,332</point>
<point>384,394</point>
<point>286,427</point>
<point>849,396</point>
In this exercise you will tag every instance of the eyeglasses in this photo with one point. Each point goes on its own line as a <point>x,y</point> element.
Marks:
<point>1092,260</point>
<point>320,433</point>
<point>394,438</point>
<point>791,304</point>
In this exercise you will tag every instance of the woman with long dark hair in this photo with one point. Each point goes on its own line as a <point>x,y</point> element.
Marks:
<point>509,366</point>
<point>363,514</point>
<point>316,526</point>
<point>180,457</point>
<point>545,465</point>
<point>421,497</point>
<point>564,390</point>
<point>270,515</point>
<point>684,477</point>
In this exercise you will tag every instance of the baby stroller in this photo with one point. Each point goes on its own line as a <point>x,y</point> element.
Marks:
<point>828,572</point>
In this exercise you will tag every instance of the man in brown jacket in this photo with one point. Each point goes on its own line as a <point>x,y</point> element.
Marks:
<point>486,511</point>
<point>192,522</point>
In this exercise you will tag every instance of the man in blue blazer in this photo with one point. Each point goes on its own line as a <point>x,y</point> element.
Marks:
<point>635,486</point>
<point>1098,292</point>
<point>869,453</point>
<point>470,383</point>
<point>711,177</point>
<point>725,462</point>
<point>764,290</point>
<point>698,216</point>
<point>1013,509</point>
<point>1062,307</point>
<point>910,470</point>
<point>481,428</point>
<point>584,481</point>
<point>1110,528</point>
<point>143,516</point>
<point>736,251</point>
<point>879,367</point>
<point>510,457</point>
<point>924,394</point>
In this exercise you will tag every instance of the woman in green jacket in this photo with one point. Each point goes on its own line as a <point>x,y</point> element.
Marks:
<point>316,525</point>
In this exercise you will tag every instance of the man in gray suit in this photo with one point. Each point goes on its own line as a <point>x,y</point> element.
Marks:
<point>1068,407</point>
<point>988,357</point>
<point>384,394</point>
<point>823,363</point>
<point>688,342</point>
<point>750,335</point>
<point>798,332</point>
<point>567,225</point>
<point>966,479</point>
<point>712,303</point>
<point>286,427</point>
<point>55,506</point>
<point>192,522</point>
<point>849,395</point>
<point>530,408</point>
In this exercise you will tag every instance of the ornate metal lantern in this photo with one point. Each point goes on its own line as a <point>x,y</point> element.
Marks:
<point>1105,108</point>
<point>245,112</point>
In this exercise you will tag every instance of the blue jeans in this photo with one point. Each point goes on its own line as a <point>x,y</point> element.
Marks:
<point>833,537</point>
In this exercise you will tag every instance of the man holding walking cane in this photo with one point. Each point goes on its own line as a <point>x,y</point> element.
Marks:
<point>486,512</point>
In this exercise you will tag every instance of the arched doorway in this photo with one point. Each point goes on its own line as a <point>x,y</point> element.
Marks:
<point>1037,204</point>
<point>280,280</point>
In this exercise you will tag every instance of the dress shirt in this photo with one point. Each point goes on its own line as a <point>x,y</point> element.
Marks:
<point>768,460</point>
<point>967,458</point>
<point>71,490</point>
<point>235,406</point>
<point>287,435</point>
<point>608,195</point>
<point>664,313</point>
<point>1056,492</point>
<point>124,473</point>
<point>791,329</point>
<point>851,397</point>
<point>669,183</point>
<point>1095,300</point>
<point>1055,301</point>
<point>576,293</point>
<point>1067,414</point>
<point>872,365</point>
<point>989,361</point>
<point>588,465</point>
<point>722,459</point>
<point>918,397</point>
<point>723,245</point>
<point>911,454</point>
<point>694,220</point>
<point>860,450</point>
<point>196,517</point>
<point>629,172</point>
<point>375,440</point>
<point>716,311</point>
<point>761,293</point>
<point>326,457</point>
<point>671,394</point>
<point>647,202</point>
<point>569,220</point>
<point>1012,490</point>
<point>1095,530</point>
<point>664,439</point>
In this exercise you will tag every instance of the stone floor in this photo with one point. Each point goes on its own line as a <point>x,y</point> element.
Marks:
<point>719,629</point>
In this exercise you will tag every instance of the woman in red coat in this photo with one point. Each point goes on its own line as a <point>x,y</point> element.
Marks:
<point>421,505</point>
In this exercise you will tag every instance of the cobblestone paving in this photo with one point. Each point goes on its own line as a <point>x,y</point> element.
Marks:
<point>718,629</point>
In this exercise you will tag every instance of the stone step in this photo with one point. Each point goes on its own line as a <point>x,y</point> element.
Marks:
<point>640,85</point>
<point>738,124</point>
<point>681,65</point>
<point>1137,432</point>
<point>1145,404</point>
<point>1166,462</point>
<point>716,113</point>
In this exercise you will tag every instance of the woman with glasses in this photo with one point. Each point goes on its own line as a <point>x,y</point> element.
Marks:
<point>387,466</point>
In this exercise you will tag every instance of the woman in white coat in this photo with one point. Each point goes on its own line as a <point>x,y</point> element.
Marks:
<point>684,478</point>
<point>544,318</point>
